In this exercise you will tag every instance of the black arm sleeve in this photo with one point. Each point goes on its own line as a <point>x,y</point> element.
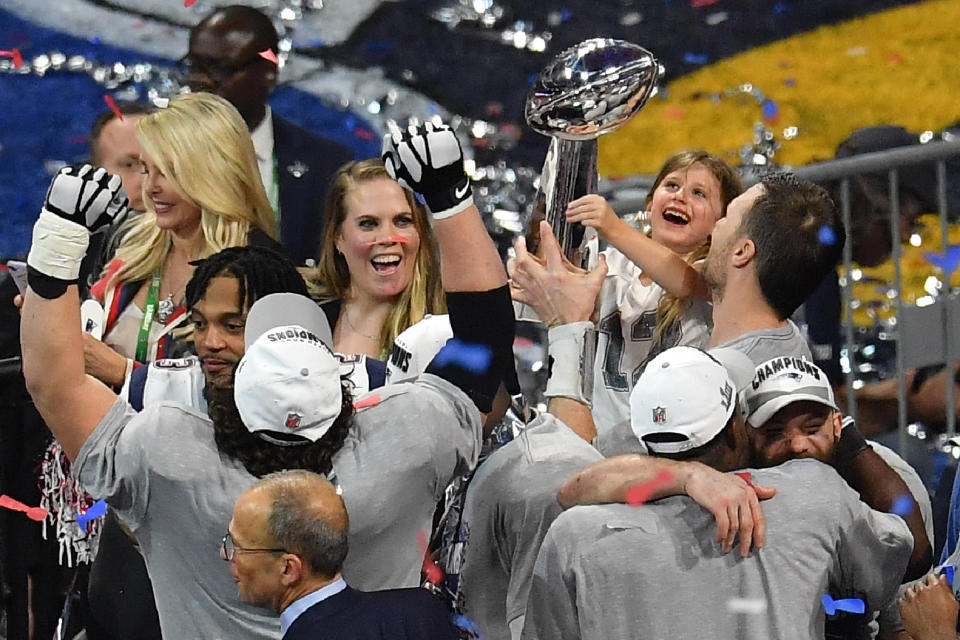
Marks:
<point>482,318</point>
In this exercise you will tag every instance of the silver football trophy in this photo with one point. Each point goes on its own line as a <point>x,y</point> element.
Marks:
<point>589,89</point>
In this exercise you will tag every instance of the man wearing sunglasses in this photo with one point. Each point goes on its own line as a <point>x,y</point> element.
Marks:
<point>295,165</point>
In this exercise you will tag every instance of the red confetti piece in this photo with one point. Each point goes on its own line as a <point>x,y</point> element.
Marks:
<point>747,477</point>
<point>894,58</point>
<point>267,54</point>
<point>364,134</point>
<point>15,55</point>
<point>34,513</point>
<point>636,496</point>
<point>398,239</point>
<point>113,106</point>
<point>673,114</point>
<point>696,4</point>
<point>369,401</point>
<point>188,3</point>
<point>430,569</point>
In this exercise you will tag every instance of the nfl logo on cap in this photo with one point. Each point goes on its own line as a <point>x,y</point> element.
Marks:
<point>293,420</point>
<point>659,415</point>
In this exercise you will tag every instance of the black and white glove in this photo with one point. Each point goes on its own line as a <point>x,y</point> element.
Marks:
<point>79,201</point>
<point>851,444</point>
<point>427,159</point>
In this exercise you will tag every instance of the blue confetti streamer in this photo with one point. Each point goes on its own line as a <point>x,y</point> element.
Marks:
<point>947,570</point>
<point>472,357</point>
<point>98,509</point>
<point>827,236</point>
<point>770,110</point>
<point>696,58</point>
<point>464,623</point>
<point>902,506</point>
<point>947,262</point>
<point>780,7</point>
<point>853,605</point>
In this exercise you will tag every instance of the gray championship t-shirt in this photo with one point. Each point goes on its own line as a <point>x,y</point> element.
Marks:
<point>655,571</point>
<point>161,470</point>
<point>511,502</point>
<point>763,344</point>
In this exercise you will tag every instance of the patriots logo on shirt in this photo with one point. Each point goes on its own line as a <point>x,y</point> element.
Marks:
<point>293,420</point>
<point>659,415</point>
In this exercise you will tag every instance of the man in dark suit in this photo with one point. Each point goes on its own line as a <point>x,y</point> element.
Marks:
<point>295,165</point>
<point>286,544</point>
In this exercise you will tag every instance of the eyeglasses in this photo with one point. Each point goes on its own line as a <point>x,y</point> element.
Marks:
<point>216,71</point>
<point>228,548</point>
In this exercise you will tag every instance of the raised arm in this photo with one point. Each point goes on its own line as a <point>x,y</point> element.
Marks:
<point>659,263</point>
<point>881,487</point>
<point>564,298</point>
<point>732,500</point>
<point>71,403</point>
<point>427,159</point>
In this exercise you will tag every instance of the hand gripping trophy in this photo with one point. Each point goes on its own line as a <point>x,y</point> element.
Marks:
<point>589,89</point>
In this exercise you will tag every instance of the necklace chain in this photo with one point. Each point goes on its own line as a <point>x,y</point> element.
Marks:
<point>346,316</point>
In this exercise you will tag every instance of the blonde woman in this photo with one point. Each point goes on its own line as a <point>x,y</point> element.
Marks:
<point>202,193</point>
<point>378,268</point>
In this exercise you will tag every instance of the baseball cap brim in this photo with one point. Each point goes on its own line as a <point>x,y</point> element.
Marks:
<point>762,407</point>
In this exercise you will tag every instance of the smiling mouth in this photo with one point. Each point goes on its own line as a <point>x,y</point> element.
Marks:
<point>385,265</point>
<point>676,217</point>
<point>162,207</point>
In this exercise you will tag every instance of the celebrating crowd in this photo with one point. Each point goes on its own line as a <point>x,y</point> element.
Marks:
<point>339,448</point>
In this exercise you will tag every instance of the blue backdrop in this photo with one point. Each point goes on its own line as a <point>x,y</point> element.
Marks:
<point>45,120</point>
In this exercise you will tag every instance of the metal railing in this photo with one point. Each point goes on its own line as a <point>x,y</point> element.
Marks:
<point>913,349</point>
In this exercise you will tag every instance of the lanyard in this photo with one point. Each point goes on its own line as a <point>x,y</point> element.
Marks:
<point>149,309</point>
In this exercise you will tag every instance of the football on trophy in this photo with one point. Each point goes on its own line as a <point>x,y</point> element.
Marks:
<point>591,88</point>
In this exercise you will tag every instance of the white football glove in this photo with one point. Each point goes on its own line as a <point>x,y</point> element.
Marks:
<point>427,159</point>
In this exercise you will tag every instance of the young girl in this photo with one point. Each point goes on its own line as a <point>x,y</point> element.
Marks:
<point>653,297</point>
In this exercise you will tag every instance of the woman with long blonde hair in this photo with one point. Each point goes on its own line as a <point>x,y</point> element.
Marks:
<point>202,193</point>
<point>378,268</point>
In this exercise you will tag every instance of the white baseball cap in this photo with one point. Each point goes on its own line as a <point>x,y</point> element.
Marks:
<point>782,381</point>
<point>416,346</point>
<point>683,399</point>
<point>288,381</point>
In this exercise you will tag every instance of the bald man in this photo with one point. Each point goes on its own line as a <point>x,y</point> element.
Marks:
<point>286,544</point>
<point>295,165</point>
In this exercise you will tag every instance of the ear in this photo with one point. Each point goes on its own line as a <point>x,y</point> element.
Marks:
<point>743,253</point>
<point>292,570</point>
<point>837,418</point>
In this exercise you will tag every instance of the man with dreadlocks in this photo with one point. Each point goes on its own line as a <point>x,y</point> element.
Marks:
<point>173,473</point>
<point>258,272</point>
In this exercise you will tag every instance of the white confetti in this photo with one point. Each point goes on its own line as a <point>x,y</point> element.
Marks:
<point>747,605</point>
<point>714,19</point>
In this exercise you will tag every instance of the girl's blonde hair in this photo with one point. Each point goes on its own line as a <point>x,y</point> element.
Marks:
<point>330,280</point>
<point>670,307</point>
<point>203,147</point>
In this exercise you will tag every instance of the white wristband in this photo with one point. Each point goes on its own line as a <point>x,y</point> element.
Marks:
<point>572,350</point>
<point>58,246</point>
<point>452,211</point>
